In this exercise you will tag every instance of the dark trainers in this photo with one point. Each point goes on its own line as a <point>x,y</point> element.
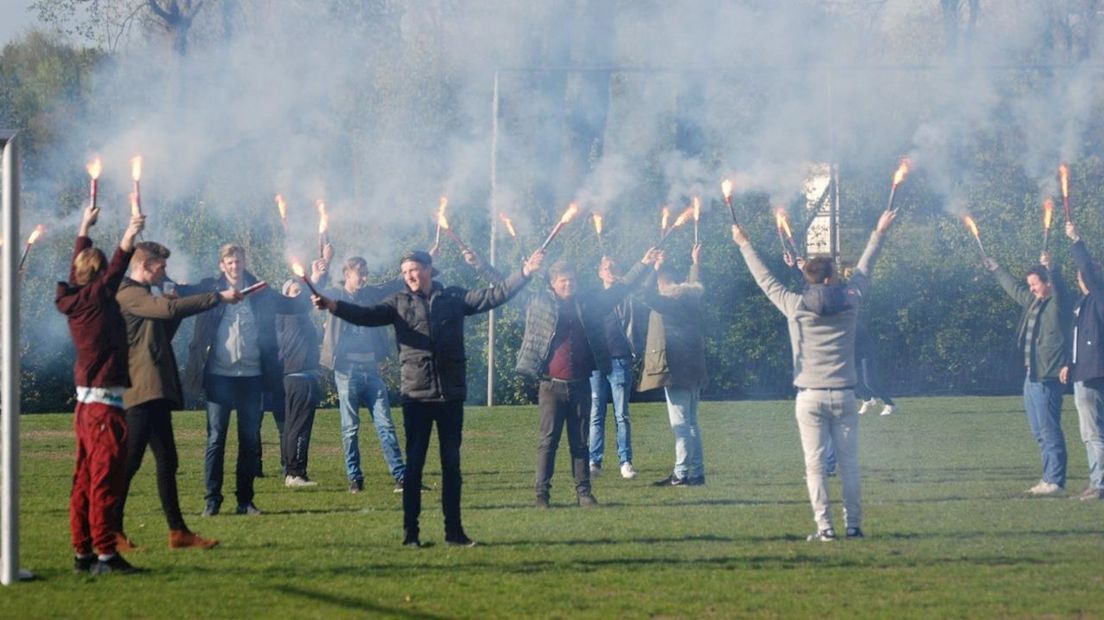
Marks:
<point>410,539</point>
<point>542,502</point>
<point>82,564</point>
<point>587,500</point>
<point>828,535</point>
<point>356,486</point>
<point>674,481</point>
<point>459,540</point>
<point>696,481</point>
<point>114,564</point>
<point>854,532</point>
<point>248,509</point>
<point>211,509</point>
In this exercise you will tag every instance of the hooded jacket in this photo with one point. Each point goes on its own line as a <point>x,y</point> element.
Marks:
<point>674,355</point>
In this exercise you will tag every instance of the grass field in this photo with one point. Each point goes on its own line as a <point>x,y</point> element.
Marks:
<point>949,531</point>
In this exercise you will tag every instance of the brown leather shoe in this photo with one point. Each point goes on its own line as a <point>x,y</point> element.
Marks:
<point>184,539</point>
<point>123,543</point>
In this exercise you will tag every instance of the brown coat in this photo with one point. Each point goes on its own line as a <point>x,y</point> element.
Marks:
<point>675,353</point>
<point>151,324</point>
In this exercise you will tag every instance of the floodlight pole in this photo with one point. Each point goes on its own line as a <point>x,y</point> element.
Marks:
<point>9,359</point>
<point>494,229</point>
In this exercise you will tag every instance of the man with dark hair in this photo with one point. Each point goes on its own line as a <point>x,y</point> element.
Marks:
<point>1043,340</point>
<point>100,376</point>
<point>1086,368</point>
<point>353,353</point>
<point>233,359</point>
<point>151,322</point>
<point>429,326</point>
<point>564,343</point>
<point>621,326</point>
<point>674,360</point>
<point>821,323</point>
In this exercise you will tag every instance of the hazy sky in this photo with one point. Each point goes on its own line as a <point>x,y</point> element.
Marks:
<point>15,19</point>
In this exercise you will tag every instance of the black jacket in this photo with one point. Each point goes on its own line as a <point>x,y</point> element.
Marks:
<point>429,332</point>
<point>1088,361</point>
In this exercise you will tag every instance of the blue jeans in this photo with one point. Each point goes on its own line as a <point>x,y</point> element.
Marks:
<point>1090,411</point>
<point>615,386</point>
<point>363,384</point>
<point>224,394</point>
<point>682,409</point>
<point>1043,405</point>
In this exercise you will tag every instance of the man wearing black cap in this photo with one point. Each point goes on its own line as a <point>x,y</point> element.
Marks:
<point>429,328</point>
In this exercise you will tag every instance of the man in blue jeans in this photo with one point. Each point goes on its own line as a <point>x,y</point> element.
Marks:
<point>353,353</point>
<point>1043,340</point>
<point>233,359</point>
<point>620,331</point>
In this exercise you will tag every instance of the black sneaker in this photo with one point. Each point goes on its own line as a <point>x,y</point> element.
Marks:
<point>410,539</point>
<point>587,500</point>
<point>854,532</point>
<point>356,486</point>
<point>459,540</point>
<point>673,481</point>
<point>248,509</point>
<point>85,563</point>
<point>211,509</point>
<point>828,535</point>
<point>114,564</point>
<point>696,481</point>
<point>541,502</point>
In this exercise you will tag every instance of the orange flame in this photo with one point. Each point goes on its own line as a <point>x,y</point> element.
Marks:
<point>35,234</point>
<point>697,208</point>
<point>572,210</point>
<point>323,218</point>
<point>783,223</point>
<point>297,268</point>
<point>282,206</point>
<point>663,219</point>
<point>598,224</point>
<point>726,188</point>
<point>969,221</point>
<point>508,223</point>
<point>1063,176</point>
<point>442,221</point>
<point>1048,213</point>
<point>136,168</point>
<point>134,208</point>
<point>684,217</point>
<point>902,171</point>
<point>95,167</point>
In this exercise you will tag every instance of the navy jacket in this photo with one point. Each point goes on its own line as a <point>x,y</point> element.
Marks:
<point>1088,362</point>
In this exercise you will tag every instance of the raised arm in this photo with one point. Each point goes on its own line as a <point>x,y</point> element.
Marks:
<point>1016,289</point>
<point>375,315</point>
<point>607,299</point>
<point>786,301</point>
<point>861,278</point>
<point>138,301</point>
<point>484,299</point>
<point>1090,273</point>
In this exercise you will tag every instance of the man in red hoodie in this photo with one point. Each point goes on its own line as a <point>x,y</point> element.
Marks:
<point>101,377</point>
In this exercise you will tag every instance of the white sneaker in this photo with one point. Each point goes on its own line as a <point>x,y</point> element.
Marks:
<point>889,410</point>
<point>299,481</point>
<point>868,405</point>
<point>595,470</point>
<point>1046,488</point>
<point>627,471</point>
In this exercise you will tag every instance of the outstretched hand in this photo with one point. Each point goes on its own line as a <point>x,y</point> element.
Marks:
<point>651,256</point>
<point>886,220</point>
<point>739,235</point>
<point>533,263</point>
<point>231,296</point>
<point>695,253</point>
<point>323,303</point>
<point>990,263</point>
<point>136,225</point>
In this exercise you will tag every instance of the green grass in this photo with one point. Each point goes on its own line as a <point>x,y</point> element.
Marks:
<point>950,533</point>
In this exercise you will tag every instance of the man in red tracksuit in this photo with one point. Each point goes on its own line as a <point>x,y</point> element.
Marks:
<point>101,377</point>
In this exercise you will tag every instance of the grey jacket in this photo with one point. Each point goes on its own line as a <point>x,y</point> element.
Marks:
<point>336,330</point>
<point>674,355</point>
<point>823,345</point>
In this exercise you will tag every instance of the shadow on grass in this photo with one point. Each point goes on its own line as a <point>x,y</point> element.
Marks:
<point>354,603</point>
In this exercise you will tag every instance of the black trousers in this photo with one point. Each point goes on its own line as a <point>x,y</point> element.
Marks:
<point>302,393</point>
<point>151,424</point>
<point>273,401</point>
<point>563,404</point>
<point>418,420</point>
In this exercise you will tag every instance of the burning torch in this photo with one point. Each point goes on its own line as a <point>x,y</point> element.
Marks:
<point>782,223</point>
<point>598,230</point>
<point>281,206</point>
<point>969,221</point>
<point>1063,178</point>
<point>35,234</point>
<point>510,229</point>
<point>665,215</point>
<point>572,209</point>
<point>95,167</point>
<point>442,224</point>
<point>697,217</point>
<point>726,191</point>
<point>898,177</point>
<point>297,269</point>
<point>679,221</point>
<point>136,195</point>
<point>323,228</point>
<point>440,217</point>
<point>1048,219</point>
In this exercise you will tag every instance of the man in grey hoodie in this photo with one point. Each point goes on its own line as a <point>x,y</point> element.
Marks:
<point>822,334</point>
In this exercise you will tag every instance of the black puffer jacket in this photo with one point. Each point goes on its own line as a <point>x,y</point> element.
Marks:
<point>429,332</point>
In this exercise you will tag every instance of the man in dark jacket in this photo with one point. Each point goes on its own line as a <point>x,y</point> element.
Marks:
<point>1043,340</point>
<point>429,329</point>
<point>298,339</point>
<point>564,342</point>
<point>1086,368</point>
<point>87,300</point>
<point>674,359</point>
<point>233,359</point>
<point>151,322</point>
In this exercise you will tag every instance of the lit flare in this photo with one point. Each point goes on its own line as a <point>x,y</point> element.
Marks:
<point>902,171</point>
<point>509,225</point>
<point>94,167</point>
<point>136,168</point>
<point>281,206</point>
<point>664,217</point>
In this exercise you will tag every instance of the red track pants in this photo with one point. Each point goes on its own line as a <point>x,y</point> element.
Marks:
<point>99,478</point>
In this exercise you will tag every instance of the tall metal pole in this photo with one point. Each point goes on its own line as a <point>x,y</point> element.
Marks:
<point>9,358</point>
<point>494,230</point>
